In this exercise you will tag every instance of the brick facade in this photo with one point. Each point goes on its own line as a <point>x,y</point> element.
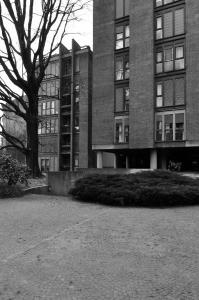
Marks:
<point>103,76</point>
<point>161,124</point>
<point>141,75</point>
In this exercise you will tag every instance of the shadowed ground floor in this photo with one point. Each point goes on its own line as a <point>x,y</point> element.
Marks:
<point>54,248</point>
<point>156,158</point>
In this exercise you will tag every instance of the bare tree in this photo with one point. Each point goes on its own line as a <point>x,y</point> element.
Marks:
<point>29,31</point>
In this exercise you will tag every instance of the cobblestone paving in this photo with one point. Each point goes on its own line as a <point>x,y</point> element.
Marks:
<point>55,249</point>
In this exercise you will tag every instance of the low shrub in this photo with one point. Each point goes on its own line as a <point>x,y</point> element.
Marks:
<point>152,189</point>
<point>12,171</point>
<point>7,191</point>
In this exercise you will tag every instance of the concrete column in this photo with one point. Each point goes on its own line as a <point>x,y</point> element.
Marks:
<point>115,161</point>
<point>127,162</point>
<point>153,159</point>
<point>99,159</point>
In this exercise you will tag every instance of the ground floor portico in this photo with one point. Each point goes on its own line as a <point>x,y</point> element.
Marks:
<point>158,158</point>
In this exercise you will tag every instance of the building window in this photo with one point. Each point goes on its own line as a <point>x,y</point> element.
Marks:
<point>122,67</point>
<point>159,94</point>
<point>179,127</point>
<point>159,133</point>
<point>170,24</point>
<point>66,86</point>
<point>39,108</point>
<point>170,92</point>
<point>159,3</point>
<point>159,29</point>
<point>48,104</point>
<point>159,62</point>
<point>49,88</point>
<point>170,126</point>
<point>122,99</point>
<point>66,100</point>
<point>47,108</point>
<point>52,70</point>
<point>48,126</point>
<point>126,133</point>
<point>122,36</point>
<point>45,165</point>
<point>179,58</point>
<point>121,130</point>
<point>67,67</point>
<point>122,8</point>
<point>170,58</point>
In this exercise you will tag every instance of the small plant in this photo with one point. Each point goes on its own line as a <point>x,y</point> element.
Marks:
<point>12,171</point>
<point>174,166</point>
<point>7,191</point>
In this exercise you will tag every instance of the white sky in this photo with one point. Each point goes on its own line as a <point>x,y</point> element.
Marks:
<point>82,31</point>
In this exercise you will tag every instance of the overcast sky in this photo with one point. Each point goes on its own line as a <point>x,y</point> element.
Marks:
<point>81,31</point>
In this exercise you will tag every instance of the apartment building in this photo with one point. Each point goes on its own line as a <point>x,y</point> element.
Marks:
<point>65,111</point>
<point>145,83</point>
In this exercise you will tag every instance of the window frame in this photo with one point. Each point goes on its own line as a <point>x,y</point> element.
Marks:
<point>46,165</point>
<point>162,49</point>
<point>48,126</point>
<point>161,15</point>
<point>165,4</point>
<point>124,37</point>
<point>174,99</point>
<point>48,107</point>
<point>121,137</point>
<point>125,101</point>
<point>125,8</point>
<point>167,113</point>
<point>124,70</point>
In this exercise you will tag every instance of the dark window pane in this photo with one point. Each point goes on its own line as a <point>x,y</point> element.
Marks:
<point>119,99</point>
<point>179,130</point>
<point>168,24</point>
<point>179,91</point>
<point>168,92</point>
<point>169,127</point>
<point>179,21</point>
<point>119,9</point>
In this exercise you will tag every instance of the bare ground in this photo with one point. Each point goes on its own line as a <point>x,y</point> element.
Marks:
<point>54,248</point>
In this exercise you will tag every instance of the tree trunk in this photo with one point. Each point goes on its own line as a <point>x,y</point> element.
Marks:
<point>32,145</point>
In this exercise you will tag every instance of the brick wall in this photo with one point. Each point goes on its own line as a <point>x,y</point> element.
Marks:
<point>103,72</point>
<point>84,110</point>
<point>141,74</point>
<point>192,70</point>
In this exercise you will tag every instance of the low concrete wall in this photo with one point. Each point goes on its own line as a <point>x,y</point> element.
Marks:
<point>41,190</point>
<point>60,182</point>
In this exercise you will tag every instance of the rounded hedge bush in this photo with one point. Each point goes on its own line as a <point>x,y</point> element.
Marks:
<point>9,191</point>
<point>151,188</point>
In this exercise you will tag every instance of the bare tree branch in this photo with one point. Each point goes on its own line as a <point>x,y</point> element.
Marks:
<point>25,58</point>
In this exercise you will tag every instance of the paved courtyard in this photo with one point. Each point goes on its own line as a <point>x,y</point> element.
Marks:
<point>54,248</point>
